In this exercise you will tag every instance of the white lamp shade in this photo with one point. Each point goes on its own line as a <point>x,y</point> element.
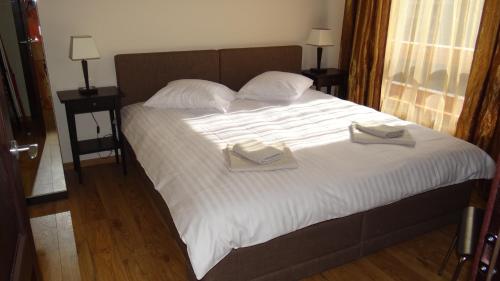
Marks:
<point>320,37</point>
<point>83,48</point>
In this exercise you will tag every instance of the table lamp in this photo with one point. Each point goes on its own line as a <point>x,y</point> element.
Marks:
<point>320,37</point>
<point>83,48</point>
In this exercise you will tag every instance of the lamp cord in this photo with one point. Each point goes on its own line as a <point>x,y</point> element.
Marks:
<point>98,131</point>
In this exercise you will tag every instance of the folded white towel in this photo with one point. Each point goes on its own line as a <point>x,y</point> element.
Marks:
<point>360,137</point>
<point>237,163</point>
<point>257,152</point>
<point>380,130</point>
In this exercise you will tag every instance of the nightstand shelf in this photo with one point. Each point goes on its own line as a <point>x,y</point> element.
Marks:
<point>107,99</point>
<point>332,77</point>
<point>96,145</point>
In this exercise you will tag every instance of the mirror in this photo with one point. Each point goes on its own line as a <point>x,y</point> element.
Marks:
<point>31,112</point>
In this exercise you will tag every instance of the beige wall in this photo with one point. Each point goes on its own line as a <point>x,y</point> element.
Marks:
<point>334,18</point>
<point>162,25</point>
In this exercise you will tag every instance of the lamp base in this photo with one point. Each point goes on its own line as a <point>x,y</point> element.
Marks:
<point>88,92</point>
<point>318,70</point>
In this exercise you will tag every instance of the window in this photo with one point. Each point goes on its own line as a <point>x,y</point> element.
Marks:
<point>429,53</point>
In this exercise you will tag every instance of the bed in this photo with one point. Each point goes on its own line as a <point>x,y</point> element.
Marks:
<point>344,201</point>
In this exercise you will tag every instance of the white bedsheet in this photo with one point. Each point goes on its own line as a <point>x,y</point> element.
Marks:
<point>215,210</point>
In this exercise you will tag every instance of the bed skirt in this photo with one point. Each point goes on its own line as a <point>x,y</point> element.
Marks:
<point>324,245</point>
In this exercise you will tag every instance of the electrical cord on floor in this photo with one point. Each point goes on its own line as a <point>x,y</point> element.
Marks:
<point>99,139</point>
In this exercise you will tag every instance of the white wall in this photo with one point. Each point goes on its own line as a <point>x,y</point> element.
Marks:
<point>9,39</point>
<point>162,25</point>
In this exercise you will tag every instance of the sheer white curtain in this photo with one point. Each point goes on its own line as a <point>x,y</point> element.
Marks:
<point>429,52</point>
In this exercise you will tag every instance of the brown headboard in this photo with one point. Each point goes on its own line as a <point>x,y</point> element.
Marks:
<point>238,66</point>
<point>139,76</point>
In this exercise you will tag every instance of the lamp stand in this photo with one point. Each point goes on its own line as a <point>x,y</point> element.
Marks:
<point>319,54</point>
<point>87,91</point>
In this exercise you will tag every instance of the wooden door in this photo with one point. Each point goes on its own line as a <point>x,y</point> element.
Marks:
<point>17,248</point>
<point>486,260</point>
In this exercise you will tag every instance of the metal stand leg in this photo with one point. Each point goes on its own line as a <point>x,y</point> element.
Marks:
<point>448,254</point>
<point>460,264</point>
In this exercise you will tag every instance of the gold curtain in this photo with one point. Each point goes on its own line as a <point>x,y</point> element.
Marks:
<point>430,48</point>
<point>479,120</point>
<point>364,34</point>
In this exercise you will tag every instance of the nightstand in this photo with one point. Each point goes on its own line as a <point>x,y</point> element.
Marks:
<point>332,77</point>
<point>107,99</point>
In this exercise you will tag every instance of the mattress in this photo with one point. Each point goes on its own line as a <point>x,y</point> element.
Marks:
<point>215,210</point>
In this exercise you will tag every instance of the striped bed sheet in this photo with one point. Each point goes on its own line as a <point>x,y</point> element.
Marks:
<point>215,210</point>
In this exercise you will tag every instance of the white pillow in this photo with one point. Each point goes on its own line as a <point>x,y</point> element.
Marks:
<point>192,93</point>
<point>275,86</point>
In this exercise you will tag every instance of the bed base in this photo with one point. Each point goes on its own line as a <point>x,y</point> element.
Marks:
<point>331,243</point>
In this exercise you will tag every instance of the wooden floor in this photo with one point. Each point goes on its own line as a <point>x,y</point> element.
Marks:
<point>50,175</point>
<point>55,247</point>
<point>120,236</point>
<point>44,174</point>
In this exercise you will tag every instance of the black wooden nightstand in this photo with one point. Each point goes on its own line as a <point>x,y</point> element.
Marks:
<point>332,77</point>
<point>107,99</point>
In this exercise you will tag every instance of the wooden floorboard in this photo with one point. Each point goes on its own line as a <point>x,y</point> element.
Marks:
<point>120,236</point>
<point>55,247</point>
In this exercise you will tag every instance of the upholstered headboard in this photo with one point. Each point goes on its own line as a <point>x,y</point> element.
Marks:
<point>139,76</point>
<point>238,66</point>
